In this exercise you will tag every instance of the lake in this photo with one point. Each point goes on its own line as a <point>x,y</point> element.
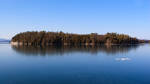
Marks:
<point>75,64</point>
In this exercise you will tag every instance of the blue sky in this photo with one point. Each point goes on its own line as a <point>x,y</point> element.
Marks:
<point>75,16</point>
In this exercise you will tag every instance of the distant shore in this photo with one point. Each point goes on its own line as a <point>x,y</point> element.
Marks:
<point>5,42</point>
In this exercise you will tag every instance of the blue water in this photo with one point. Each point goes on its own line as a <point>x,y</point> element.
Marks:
<point>74,65</point>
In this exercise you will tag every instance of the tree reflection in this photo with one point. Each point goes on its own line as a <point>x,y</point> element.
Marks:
<point>60,50</point>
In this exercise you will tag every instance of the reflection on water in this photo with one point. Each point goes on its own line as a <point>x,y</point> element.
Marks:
<point>55,50</point>
<point>78,65</point>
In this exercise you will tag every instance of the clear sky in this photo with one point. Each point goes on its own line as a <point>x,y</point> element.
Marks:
<point>75,16</point>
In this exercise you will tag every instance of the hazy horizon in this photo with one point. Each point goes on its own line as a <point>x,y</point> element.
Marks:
<point>130,17</point>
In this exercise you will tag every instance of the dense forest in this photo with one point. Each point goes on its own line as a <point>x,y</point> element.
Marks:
<point>61,38</point>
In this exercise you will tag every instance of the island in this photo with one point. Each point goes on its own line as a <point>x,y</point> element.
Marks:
<point>61,38</point>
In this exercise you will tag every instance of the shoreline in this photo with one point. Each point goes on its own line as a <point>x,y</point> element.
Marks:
<point>67,44</point>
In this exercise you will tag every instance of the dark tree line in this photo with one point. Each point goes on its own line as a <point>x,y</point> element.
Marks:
<point>60,38</point>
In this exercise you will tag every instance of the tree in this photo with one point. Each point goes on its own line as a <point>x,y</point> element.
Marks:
<point>60,38</point>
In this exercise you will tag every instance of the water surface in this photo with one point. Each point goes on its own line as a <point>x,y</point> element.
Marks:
<point>74,65</point>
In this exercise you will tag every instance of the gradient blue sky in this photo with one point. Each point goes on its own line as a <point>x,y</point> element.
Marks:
<point>76,16</point>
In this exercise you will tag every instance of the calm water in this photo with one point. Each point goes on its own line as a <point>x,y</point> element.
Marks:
<point>74,65</point>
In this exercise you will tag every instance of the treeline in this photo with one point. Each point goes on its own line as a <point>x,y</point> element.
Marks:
<point>61,38</point>
<point>144,41</point>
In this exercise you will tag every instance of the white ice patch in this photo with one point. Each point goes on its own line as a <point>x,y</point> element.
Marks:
<point>123,59</point>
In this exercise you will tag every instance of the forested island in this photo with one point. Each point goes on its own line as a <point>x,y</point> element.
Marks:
<point>61,38</point>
